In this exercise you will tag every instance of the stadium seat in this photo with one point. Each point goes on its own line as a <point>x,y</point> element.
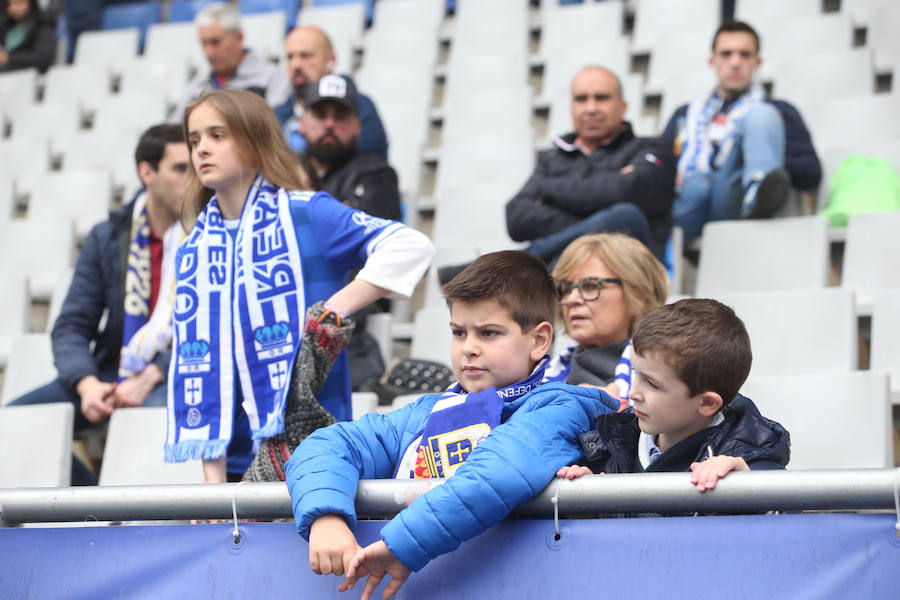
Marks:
<point>165,78</point>
<point>81,85</point>
<point>264,33</point>
<point>500,111</point>
<point>17,90</point>
<point>186,10</point>
<point>810,77</point>
<point>58,296</point>
<point>472,217</point>
<point>171,43</point>
<point>446,255</point>
<point>401,401</point>
<point>655,20</point>
<point>786,38</point>
<point>413,17</point>
<point>48,124</point>
<point>836,420</point>
<point>7,199</point>
<point>30,366</point>
<point>132,14</point>
<point>505,160</point>
<point>364,403</point>
<point>772,11</point>
<point>14,306</point>
<point>368,4</point>
<point>43,251</point>
<point>881,27</point>
<point>129,114</point>
<point>752,256</point>
<point>431,335</point>
<point>134,452</point>
<point>870,254</point>
<point>109,49</point>
<point>886,339</point>
<point>798,331</point>
<point>289,7</point>
<point>36,445</point>
<point>83,196</point>
<point>343,23</point>
<point>113,152</point>
<point>24,160</point>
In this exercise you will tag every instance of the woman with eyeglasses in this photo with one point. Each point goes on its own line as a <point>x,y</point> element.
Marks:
<point>605,283</point>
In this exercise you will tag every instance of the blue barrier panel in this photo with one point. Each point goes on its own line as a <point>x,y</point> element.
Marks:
<point>758,556</point>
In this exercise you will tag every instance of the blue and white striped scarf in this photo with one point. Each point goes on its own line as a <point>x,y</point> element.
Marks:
<point>145,335</point>
<point>560,365</point>
<point>700,145</point>
<point>239,308</point>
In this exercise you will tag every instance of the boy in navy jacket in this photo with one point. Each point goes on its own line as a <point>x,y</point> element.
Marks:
<point>690,359</point>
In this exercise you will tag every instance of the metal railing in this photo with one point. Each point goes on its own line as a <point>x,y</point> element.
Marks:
<point>760,491</point>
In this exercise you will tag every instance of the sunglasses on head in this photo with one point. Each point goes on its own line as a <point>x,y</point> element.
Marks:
<point>588,288</point>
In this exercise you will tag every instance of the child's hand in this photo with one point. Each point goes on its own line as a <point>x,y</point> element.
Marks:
<point>705,474</point>
<point>376,560</point>
<point>573,472</point>
<point>331,545</point>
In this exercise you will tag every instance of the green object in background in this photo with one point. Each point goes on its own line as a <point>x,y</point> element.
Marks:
<point>862,184</point>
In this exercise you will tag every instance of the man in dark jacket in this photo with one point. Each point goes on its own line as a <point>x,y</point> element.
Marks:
<point>120,271</point>
<point>331,125</point>
<point>738,151</point>
<point>309,58</point>
<point>600,178</point>
<point>358,178</point>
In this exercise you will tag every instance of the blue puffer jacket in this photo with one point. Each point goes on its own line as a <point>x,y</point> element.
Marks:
<point>538,435</point>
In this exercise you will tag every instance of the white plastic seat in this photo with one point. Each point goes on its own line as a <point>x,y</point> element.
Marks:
<point>112,151</point>
<point>364,403</point>
<point>58,296</point>
<point>24,160</point>
<point>870,254</point>
<point>431,335</point>
<point>799,331</point>
<point>751,256</point>
<point>264,33</point>
<point>134,452</point>
<point>174,43</point>
<point>471,219</point>
<point>503,111</point>
<point>84,84</point>
<point>110,49</point>
<point>48,123</point>
<point>85,197</point>
<point>36,445</point>
<point>787,37</point>
<point>17,89</point>
<point>343,23</point>
<point>129,114</point>
<point>505,161</point>
<point>654,19</point>
<point>43,251</point>
<point>886,339</point>
<point>30,365</point>
<point>147,74</point>
<point>803,78</point>
<point>836,420</point>
<point>760,11</point>
<point>14,307</point>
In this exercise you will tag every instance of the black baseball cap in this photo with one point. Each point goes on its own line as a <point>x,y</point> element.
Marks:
<point>336,88</point>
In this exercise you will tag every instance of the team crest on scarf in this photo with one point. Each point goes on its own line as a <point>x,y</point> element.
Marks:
<point>458,423</point>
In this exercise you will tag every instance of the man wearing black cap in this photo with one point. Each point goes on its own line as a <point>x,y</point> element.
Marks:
<point>331,126</point>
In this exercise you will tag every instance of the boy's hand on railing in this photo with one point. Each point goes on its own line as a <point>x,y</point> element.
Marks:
<point>573,472</point>
<point>705,474</point>
<point>376,560</point>
<point>331,545</point>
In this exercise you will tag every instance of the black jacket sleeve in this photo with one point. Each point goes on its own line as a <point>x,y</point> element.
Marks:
<point>671,131</point>
<point>800,157</point>
<point>380,193</point>
<point>40,52</point>
<point>76,326</point>
<point>649,185</point>
<point>529,217</point>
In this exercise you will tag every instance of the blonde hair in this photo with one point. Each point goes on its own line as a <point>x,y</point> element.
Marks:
<point>257,140</point>
<point>644,279</point>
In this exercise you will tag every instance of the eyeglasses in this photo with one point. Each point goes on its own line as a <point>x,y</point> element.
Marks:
<point>589,288</point>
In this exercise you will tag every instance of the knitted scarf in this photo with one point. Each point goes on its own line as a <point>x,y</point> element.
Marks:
<point>238,308</point>
<point>457,424</point>
<point>705,148</point>
<point>145,335</point>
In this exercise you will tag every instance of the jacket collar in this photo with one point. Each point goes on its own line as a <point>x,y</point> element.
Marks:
<point>566,142</point>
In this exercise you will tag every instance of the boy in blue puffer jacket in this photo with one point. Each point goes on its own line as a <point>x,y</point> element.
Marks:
<point>501,438</point>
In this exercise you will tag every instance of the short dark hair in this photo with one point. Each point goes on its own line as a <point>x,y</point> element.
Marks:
<point>152,145</point>
<point>733,26</point>
<point>702,340</point>
<point>517,280</point>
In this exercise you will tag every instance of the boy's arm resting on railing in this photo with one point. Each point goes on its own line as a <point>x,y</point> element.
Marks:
<point>515,462</point>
